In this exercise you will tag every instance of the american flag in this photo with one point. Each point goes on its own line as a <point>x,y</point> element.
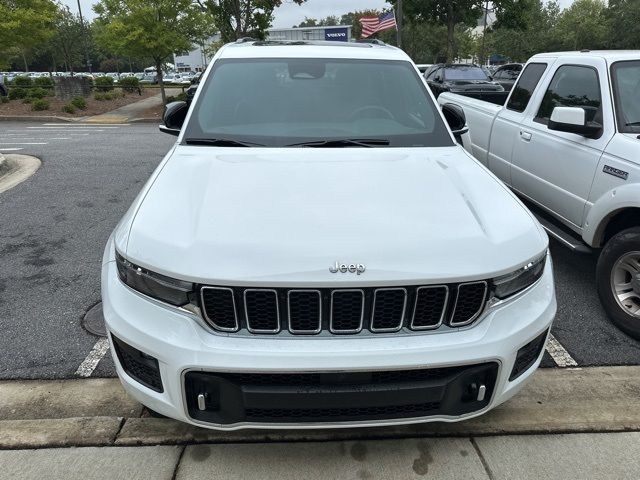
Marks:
<point>371,25</point>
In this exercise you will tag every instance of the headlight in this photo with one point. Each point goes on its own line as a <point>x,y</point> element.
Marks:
<point>165,289</point>
<point>512,283</point>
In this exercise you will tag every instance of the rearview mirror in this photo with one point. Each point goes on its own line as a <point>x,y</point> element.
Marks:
<point>573,120</point>
<point>173,117</point>
<point>456,119</point>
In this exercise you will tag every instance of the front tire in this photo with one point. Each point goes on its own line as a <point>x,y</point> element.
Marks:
<point>618,280</point>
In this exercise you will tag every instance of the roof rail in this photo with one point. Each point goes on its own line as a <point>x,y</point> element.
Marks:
<point>373,41</point>
<point>246,40</point>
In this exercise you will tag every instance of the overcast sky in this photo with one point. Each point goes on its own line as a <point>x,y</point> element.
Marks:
<point>289,13</point>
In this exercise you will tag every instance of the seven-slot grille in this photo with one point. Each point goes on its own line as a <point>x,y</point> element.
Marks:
<point>342,311</point>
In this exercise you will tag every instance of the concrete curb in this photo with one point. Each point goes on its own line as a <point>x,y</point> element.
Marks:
<point>15,169</point>
<point>157,121</point>
<point>35,118</point>
<point>65,413</point>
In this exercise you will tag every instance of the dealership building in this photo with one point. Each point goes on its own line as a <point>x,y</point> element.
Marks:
<point>196,60</point>
<point>338,33</point>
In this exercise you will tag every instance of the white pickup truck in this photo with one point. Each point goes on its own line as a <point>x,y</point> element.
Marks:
<point>568,142</point>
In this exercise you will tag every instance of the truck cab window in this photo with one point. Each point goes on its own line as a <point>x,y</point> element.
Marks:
<point>525,86</point>
<point>572,86</point>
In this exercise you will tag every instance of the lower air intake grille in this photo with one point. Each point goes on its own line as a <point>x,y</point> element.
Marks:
<point>527,356</point>
<point>141,367</point>
<point>341,413</point>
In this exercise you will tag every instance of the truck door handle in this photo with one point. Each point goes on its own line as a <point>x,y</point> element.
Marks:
<point>526,136</point>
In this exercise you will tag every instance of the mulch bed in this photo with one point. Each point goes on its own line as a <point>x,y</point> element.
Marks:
<point>94,107</point>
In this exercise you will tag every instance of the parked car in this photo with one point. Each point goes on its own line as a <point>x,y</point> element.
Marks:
<point>506,75</point>
<point>149,79</point>
<point>177,79</point>
<point>423,67</point>
<point>568,141</point>
<point>460,78</point>
<point>247,287</point>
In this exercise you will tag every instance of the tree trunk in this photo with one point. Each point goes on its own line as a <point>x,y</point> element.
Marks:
<point>161,81</point>
<point>451,25</point>
<point>24,59</point>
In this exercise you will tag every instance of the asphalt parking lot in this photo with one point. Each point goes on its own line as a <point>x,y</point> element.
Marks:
<point>53,228</point>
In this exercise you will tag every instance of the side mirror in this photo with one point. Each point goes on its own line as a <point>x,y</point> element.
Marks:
<point>456,119</point>
<point>573,120</point>
<point>173,117</point>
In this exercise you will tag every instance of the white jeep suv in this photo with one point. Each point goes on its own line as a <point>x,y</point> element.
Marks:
<point>317,250</point>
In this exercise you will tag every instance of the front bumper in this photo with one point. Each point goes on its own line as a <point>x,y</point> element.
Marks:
<point>181,345</point>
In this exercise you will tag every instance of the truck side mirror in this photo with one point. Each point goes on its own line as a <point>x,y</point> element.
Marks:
<point>456,119</point>
<point>573,120</point>
<point>173,117</point>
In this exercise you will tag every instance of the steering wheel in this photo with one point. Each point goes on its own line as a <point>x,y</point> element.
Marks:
<point>359,111</point>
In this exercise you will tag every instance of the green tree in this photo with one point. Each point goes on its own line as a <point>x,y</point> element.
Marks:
<point>152,29</point>
<point>24,25</point>
<point>242,18</point>
<point>523,28</point>
<point>449,13</point>
<point>68,39</point>
<point>624,23</point>
<point>583,25</point>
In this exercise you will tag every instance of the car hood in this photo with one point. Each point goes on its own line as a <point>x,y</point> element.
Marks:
<point>249,216</point>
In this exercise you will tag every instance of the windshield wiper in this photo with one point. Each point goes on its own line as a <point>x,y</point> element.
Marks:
<point>632,124</point>
<point>338,143</point>
<point>220,142</point>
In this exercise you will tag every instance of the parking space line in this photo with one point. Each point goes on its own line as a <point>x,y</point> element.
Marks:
<point>22,143</point>
<point>90,363</point>
<point>559,354</point>
<point>81,125</point>
<point>11,149</point>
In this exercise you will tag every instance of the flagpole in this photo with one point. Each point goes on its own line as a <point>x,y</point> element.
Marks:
<point>399,23</point>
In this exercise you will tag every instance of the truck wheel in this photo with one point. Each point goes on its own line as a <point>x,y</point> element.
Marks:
<point>618,280</point>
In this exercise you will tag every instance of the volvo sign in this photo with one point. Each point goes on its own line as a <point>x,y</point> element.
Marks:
<point>336,34</point>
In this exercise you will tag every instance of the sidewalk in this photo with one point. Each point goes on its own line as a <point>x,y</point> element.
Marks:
<point>132,112</point>
<point>567,423</point>
<point>578,456</point>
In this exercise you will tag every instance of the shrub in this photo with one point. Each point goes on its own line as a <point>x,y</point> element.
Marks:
<point>129,84</point>
<point>4,99</point>
<point>21,81</point>
<point>17,92</point>
<point>99,96</point>
<point>44,82</point>
<point>69,108</point>
<point>27,100</point>
<point>39,104</point>
<point>104,84</point>
<point>36,92</point>
<point>79,103</point>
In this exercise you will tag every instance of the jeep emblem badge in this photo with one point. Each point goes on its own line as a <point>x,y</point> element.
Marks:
<point>344,268</point>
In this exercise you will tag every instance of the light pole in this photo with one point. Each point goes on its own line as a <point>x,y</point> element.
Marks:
<point>399,24</point>
<point>84,38</point>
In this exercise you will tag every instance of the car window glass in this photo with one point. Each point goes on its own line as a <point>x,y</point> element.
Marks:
<point>464,73</point>
<point>626,92</point>
<point>523,89</point>
<point>283,101</point>
<point>572,86</point>
<point>498,75</point>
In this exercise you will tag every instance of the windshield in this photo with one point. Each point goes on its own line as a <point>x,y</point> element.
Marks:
<point>285,102</point>
<point>464,73</point>
<point>626,89</point>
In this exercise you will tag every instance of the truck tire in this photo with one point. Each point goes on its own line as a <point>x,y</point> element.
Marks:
<point>618,280</point>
